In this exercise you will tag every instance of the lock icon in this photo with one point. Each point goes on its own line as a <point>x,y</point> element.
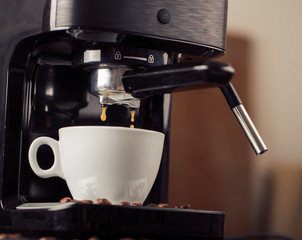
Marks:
<point>118,55</point>
<point>151,59</point>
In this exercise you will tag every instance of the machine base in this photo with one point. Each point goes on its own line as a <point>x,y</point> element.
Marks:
<point>81,220</point>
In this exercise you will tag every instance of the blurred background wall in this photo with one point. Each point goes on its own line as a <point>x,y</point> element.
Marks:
<point>212,165</point>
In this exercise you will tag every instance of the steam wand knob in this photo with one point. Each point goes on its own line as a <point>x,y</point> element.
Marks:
<point>243,118</point>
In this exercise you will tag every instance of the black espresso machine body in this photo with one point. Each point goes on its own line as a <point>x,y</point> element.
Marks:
<point>51,53</point>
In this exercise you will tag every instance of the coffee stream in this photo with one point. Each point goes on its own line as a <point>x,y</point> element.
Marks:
<point>132,111</point>
<point>103,116</point>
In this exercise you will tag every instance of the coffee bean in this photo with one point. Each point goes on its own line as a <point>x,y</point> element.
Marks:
<point>66,199</point>
<point>47,238</point>
<point>86,201</point>
<point>183,206</point>
<point>103,201</point>
<point>125,203</point>
<point>10,235</point>
<point>163,205</point>
<point>136,204</point>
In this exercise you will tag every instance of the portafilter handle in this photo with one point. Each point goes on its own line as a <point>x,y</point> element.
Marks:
<point>243,118</point>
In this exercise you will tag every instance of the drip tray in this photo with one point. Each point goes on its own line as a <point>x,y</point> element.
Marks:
<point>77,220</point>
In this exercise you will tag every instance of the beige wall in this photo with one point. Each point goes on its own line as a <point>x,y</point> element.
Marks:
<point>209,154</point>
<point>212,165</point>
<point>275,101</point>
<point>274,27</point>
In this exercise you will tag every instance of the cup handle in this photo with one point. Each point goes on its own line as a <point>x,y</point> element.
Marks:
<point>55,169</point>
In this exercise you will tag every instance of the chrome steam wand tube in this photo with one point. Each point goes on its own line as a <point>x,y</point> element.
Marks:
<point>243,118</point>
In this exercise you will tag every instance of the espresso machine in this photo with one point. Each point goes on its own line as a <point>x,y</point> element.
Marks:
<point>113,63</point>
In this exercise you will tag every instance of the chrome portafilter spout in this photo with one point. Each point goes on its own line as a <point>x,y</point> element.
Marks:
<point>106,84</point>
<point>243,118</point>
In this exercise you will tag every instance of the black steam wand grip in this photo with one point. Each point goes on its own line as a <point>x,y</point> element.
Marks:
<point>145,82</point>
<point>243,118</point>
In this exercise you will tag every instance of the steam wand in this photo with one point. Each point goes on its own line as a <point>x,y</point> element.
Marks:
<point>243,118</point>
<point>146,82</point>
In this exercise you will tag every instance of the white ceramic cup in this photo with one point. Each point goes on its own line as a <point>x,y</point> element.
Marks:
<point>116,163</point>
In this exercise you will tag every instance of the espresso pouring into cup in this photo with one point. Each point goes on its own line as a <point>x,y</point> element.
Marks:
<point>116,163</point>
